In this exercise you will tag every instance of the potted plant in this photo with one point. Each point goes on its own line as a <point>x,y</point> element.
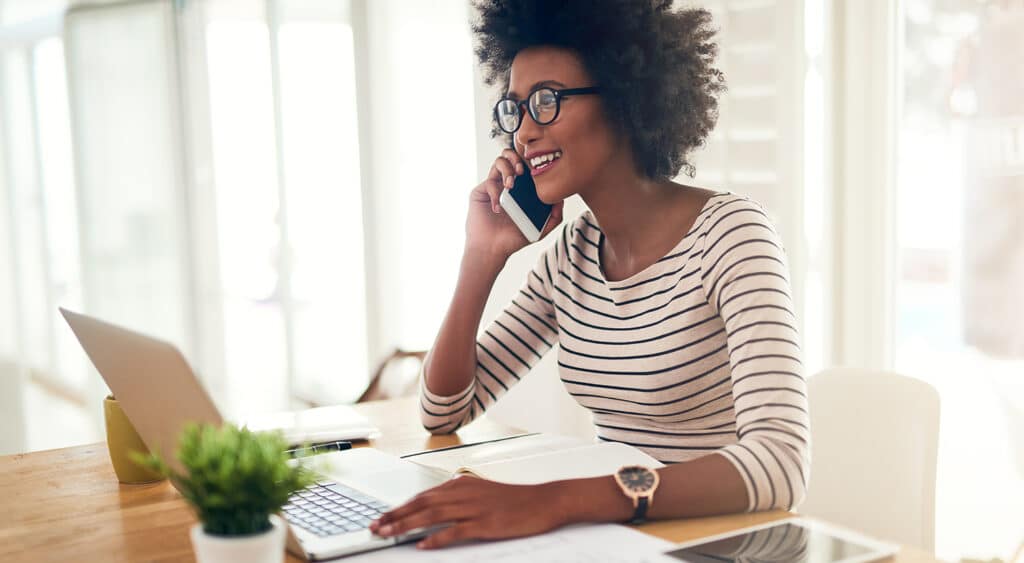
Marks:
<point>236,480</point>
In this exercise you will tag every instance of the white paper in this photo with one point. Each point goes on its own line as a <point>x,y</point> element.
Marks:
<point>593,460</point>
<point>323,424</point>
<point>454,459</point>
<point>599,543</point>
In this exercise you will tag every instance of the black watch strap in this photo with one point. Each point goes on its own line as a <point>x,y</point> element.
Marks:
<point>640,514</point>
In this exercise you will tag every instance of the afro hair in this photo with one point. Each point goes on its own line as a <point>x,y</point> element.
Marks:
<point>655,66</point>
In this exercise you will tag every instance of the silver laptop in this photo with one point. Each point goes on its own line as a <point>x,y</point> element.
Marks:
<point>158,391</point>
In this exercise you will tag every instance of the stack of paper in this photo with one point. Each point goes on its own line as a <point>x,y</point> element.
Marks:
<point>314,426</point>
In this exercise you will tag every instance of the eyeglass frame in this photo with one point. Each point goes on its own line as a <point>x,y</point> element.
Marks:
<point>559,94</point>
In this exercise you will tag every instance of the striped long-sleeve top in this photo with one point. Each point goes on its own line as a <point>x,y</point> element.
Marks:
<point>697,354</point>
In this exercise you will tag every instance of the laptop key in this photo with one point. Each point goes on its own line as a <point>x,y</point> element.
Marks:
<point>343,490</point>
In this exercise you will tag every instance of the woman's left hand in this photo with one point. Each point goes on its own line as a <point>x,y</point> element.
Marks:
<point>475,509</point>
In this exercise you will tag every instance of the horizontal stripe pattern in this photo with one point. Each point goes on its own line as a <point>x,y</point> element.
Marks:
<point>697,354</point>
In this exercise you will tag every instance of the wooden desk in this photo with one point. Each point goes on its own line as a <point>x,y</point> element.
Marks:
<point>67,505</point>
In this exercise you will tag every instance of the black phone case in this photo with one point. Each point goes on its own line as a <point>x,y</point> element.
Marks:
<point>524,191</point>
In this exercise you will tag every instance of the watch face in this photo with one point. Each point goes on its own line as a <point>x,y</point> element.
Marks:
<point>637,479</point>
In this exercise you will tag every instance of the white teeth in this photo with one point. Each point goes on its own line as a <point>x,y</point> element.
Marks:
<point>538,161</point>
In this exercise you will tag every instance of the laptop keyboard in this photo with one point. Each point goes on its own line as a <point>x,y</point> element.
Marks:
<point>329,509</point>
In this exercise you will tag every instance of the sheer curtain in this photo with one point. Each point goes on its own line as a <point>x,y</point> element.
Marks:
<point>39,265</point>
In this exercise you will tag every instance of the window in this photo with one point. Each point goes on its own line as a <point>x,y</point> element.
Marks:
<point>39,219</point>
<point>250,180</point>
<point>285,131</point>
<point>958,305</point>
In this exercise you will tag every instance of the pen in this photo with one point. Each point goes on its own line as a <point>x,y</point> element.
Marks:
<point>414,454</point>
<point>321,448</point>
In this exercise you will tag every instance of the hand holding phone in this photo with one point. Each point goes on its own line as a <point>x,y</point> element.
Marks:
<point>490,227</point>
<point>526,210</point>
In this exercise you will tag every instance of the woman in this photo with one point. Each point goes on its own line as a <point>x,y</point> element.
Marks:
<point>670,303</point>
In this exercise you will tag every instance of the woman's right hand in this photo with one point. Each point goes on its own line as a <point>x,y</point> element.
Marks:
<point>489,229</point>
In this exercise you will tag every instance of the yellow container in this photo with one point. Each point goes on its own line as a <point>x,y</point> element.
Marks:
<point>121,439</point>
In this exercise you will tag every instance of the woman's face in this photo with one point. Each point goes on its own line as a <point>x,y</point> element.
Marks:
<point>581,132</point>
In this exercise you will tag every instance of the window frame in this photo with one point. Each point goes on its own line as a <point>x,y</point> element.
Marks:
<point>866,101</point>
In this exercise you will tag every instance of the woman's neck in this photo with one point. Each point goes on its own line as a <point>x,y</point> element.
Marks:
<point>642,219</point>
<point>628,206</point>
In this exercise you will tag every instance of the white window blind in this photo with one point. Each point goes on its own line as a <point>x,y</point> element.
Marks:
<point>755,149</point>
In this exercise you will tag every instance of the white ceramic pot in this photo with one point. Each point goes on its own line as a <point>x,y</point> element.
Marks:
<point>267,547</point>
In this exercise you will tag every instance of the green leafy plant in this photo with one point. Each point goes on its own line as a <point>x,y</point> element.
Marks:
<point>235,478</point>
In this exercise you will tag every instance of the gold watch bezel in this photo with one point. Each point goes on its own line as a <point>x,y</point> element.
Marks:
<point>634,496</point>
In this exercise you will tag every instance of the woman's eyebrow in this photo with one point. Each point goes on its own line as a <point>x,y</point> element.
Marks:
<point>537,85</point>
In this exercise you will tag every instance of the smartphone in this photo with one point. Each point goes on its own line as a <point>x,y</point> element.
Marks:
<point>527,211</point>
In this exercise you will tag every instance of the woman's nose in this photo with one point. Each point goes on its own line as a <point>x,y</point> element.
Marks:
<point>529,131</point>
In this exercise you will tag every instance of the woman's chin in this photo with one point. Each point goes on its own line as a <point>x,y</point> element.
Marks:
<point>551,194</point>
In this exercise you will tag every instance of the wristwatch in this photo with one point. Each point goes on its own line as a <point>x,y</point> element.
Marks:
<point>638,483</point>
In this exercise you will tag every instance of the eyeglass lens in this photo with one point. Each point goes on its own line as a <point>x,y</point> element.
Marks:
<point>542,105</point>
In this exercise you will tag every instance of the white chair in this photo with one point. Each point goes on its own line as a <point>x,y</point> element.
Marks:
<point>873,454</point>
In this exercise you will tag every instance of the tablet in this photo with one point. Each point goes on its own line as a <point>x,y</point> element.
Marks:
<point>793,539</point>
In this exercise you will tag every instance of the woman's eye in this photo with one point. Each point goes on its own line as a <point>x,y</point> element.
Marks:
<point>543,99</point>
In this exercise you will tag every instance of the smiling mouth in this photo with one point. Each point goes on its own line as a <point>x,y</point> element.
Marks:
<point>541,162</point>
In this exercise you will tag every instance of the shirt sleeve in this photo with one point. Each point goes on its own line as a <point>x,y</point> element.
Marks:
<point>746,281</point>
<point>506,350</point>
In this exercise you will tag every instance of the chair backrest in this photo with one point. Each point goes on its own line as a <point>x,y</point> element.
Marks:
<point>397,376</point>
<point>873,455</point>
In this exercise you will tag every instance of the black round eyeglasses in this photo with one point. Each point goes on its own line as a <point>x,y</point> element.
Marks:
<point>543,105</point>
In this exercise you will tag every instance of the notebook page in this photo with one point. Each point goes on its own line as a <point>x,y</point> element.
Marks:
<point>454,459</point>
<point>593,460</point>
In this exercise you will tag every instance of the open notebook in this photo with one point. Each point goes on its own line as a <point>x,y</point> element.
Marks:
<point>536,458</point>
